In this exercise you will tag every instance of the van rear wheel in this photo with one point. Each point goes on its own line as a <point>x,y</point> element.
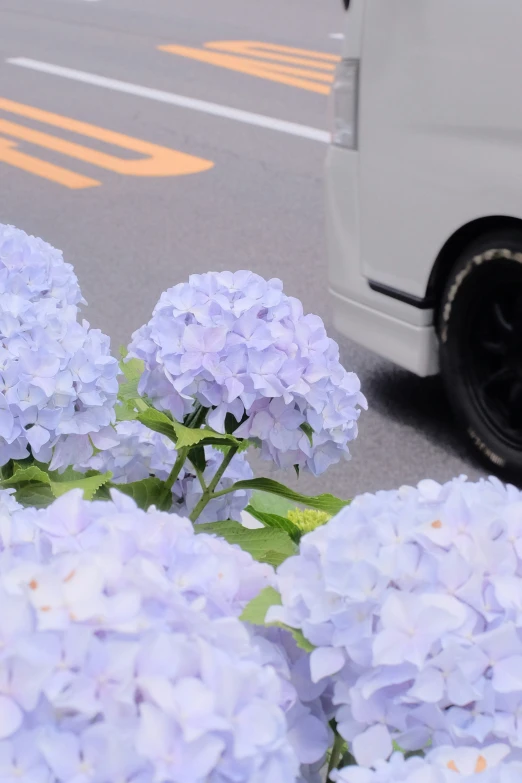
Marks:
<point>480,329</point>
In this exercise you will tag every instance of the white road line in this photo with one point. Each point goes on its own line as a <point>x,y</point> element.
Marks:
<point>260,120</point>
<point>337,36</point>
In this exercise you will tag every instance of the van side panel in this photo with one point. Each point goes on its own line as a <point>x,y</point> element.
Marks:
<point>440,128</point>
<point>353,29</point>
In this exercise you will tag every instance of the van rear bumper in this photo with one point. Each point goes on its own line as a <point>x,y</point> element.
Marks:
<point>411,347</point>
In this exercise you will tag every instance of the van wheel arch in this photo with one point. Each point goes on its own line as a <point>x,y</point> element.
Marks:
<point>456,245</point>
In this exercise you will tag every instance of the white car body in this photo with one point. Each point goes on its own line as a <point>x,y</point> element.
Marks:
<point>438,162</point>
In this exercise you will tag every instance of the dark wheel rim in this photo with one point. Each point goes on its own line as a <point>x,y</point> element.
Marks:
<point>492,356</point>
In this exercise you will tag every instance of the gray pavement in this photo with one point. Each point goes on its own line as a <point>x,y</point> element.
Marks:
<point>259,207</point>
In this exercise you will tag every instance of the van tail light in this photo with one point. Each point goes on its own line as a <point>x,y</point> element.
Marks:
<point>345,100</point>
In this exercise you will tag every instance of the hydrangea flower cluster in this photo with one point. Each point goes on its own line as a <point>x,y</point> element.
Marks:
<point>121,657</point>
<point>307,704</point>
<point>444,765</point>
<point>204,568</point>
<point>413,599</point>
<point>139,453</point>
<point>199,566</point>
<point>57,379</point>
<point>236,344</point>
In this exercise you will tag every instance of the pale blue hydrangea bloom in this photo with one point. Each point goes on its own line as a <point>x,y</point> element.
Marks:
<point>200,566</point>
<point>121,656</point>
<point>413,599</point>
<point>58,382</point>
<point>307,704</point>
<point>207,568</point>
<point>238,345</point>
<point>444,765</point>
<point>18,532</point>
<point>34,270</point>
<point>139,453</point>
<point>125,570</point>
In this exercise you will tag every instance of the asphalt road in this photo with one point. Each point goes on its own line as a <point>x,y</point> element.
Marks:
<point>259,205</point>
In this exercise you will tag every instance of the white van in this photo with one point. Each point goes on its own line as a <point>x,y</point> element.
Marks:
<point>424,202</point>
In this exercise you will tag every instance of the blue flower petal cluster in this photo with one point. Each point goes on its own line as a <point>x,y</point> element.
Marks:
<point>236,344</point>
<point>307,704</point>
<point>121,658</point>
<point>204,568</point>
<point>140,452</point>
<point>413,599</point>
<point>444,765</point>
<point>58,380</point>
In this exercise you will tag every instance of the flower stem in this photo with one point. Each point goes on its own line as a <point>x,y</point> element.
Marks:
<point>201,478</point>
<point>226,491</point>
<point>176,470</point>
<point>335,756</point>
<point>208,492</point>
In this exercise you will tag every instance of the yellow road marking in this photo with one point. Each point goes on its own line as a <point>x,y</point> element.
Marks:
<point>284,54</point>
<point>158,161</point>
<point>300,68</point>
<point>9,154</point>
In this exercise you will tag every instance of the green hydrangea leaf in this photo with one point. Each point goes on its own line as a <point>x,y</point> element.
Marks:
<point>126,411</point>
<point>148,492</point>
<point>56,483</point>
<point>22,475</point>
<point>157,421</point>
<point>255,613</point>
<point>32,485</point>
<point>275,521</point>
<point>88,484</point>
<point>196,455</point>
<point>266,503</point>
<point>308,431</point>
<point>132,371</point>
<point>34,494</point>
<point>241,445</point>
<point>264,544</point>
<point>183,437</point>
<point>329,503</point>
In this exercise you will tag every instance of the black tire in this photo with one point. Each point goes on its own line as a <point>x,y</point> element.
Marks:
<point>480,331</point>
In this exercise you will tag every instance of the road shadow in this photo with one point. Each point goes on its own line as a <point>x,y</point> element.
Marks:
<point>405,398</point>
